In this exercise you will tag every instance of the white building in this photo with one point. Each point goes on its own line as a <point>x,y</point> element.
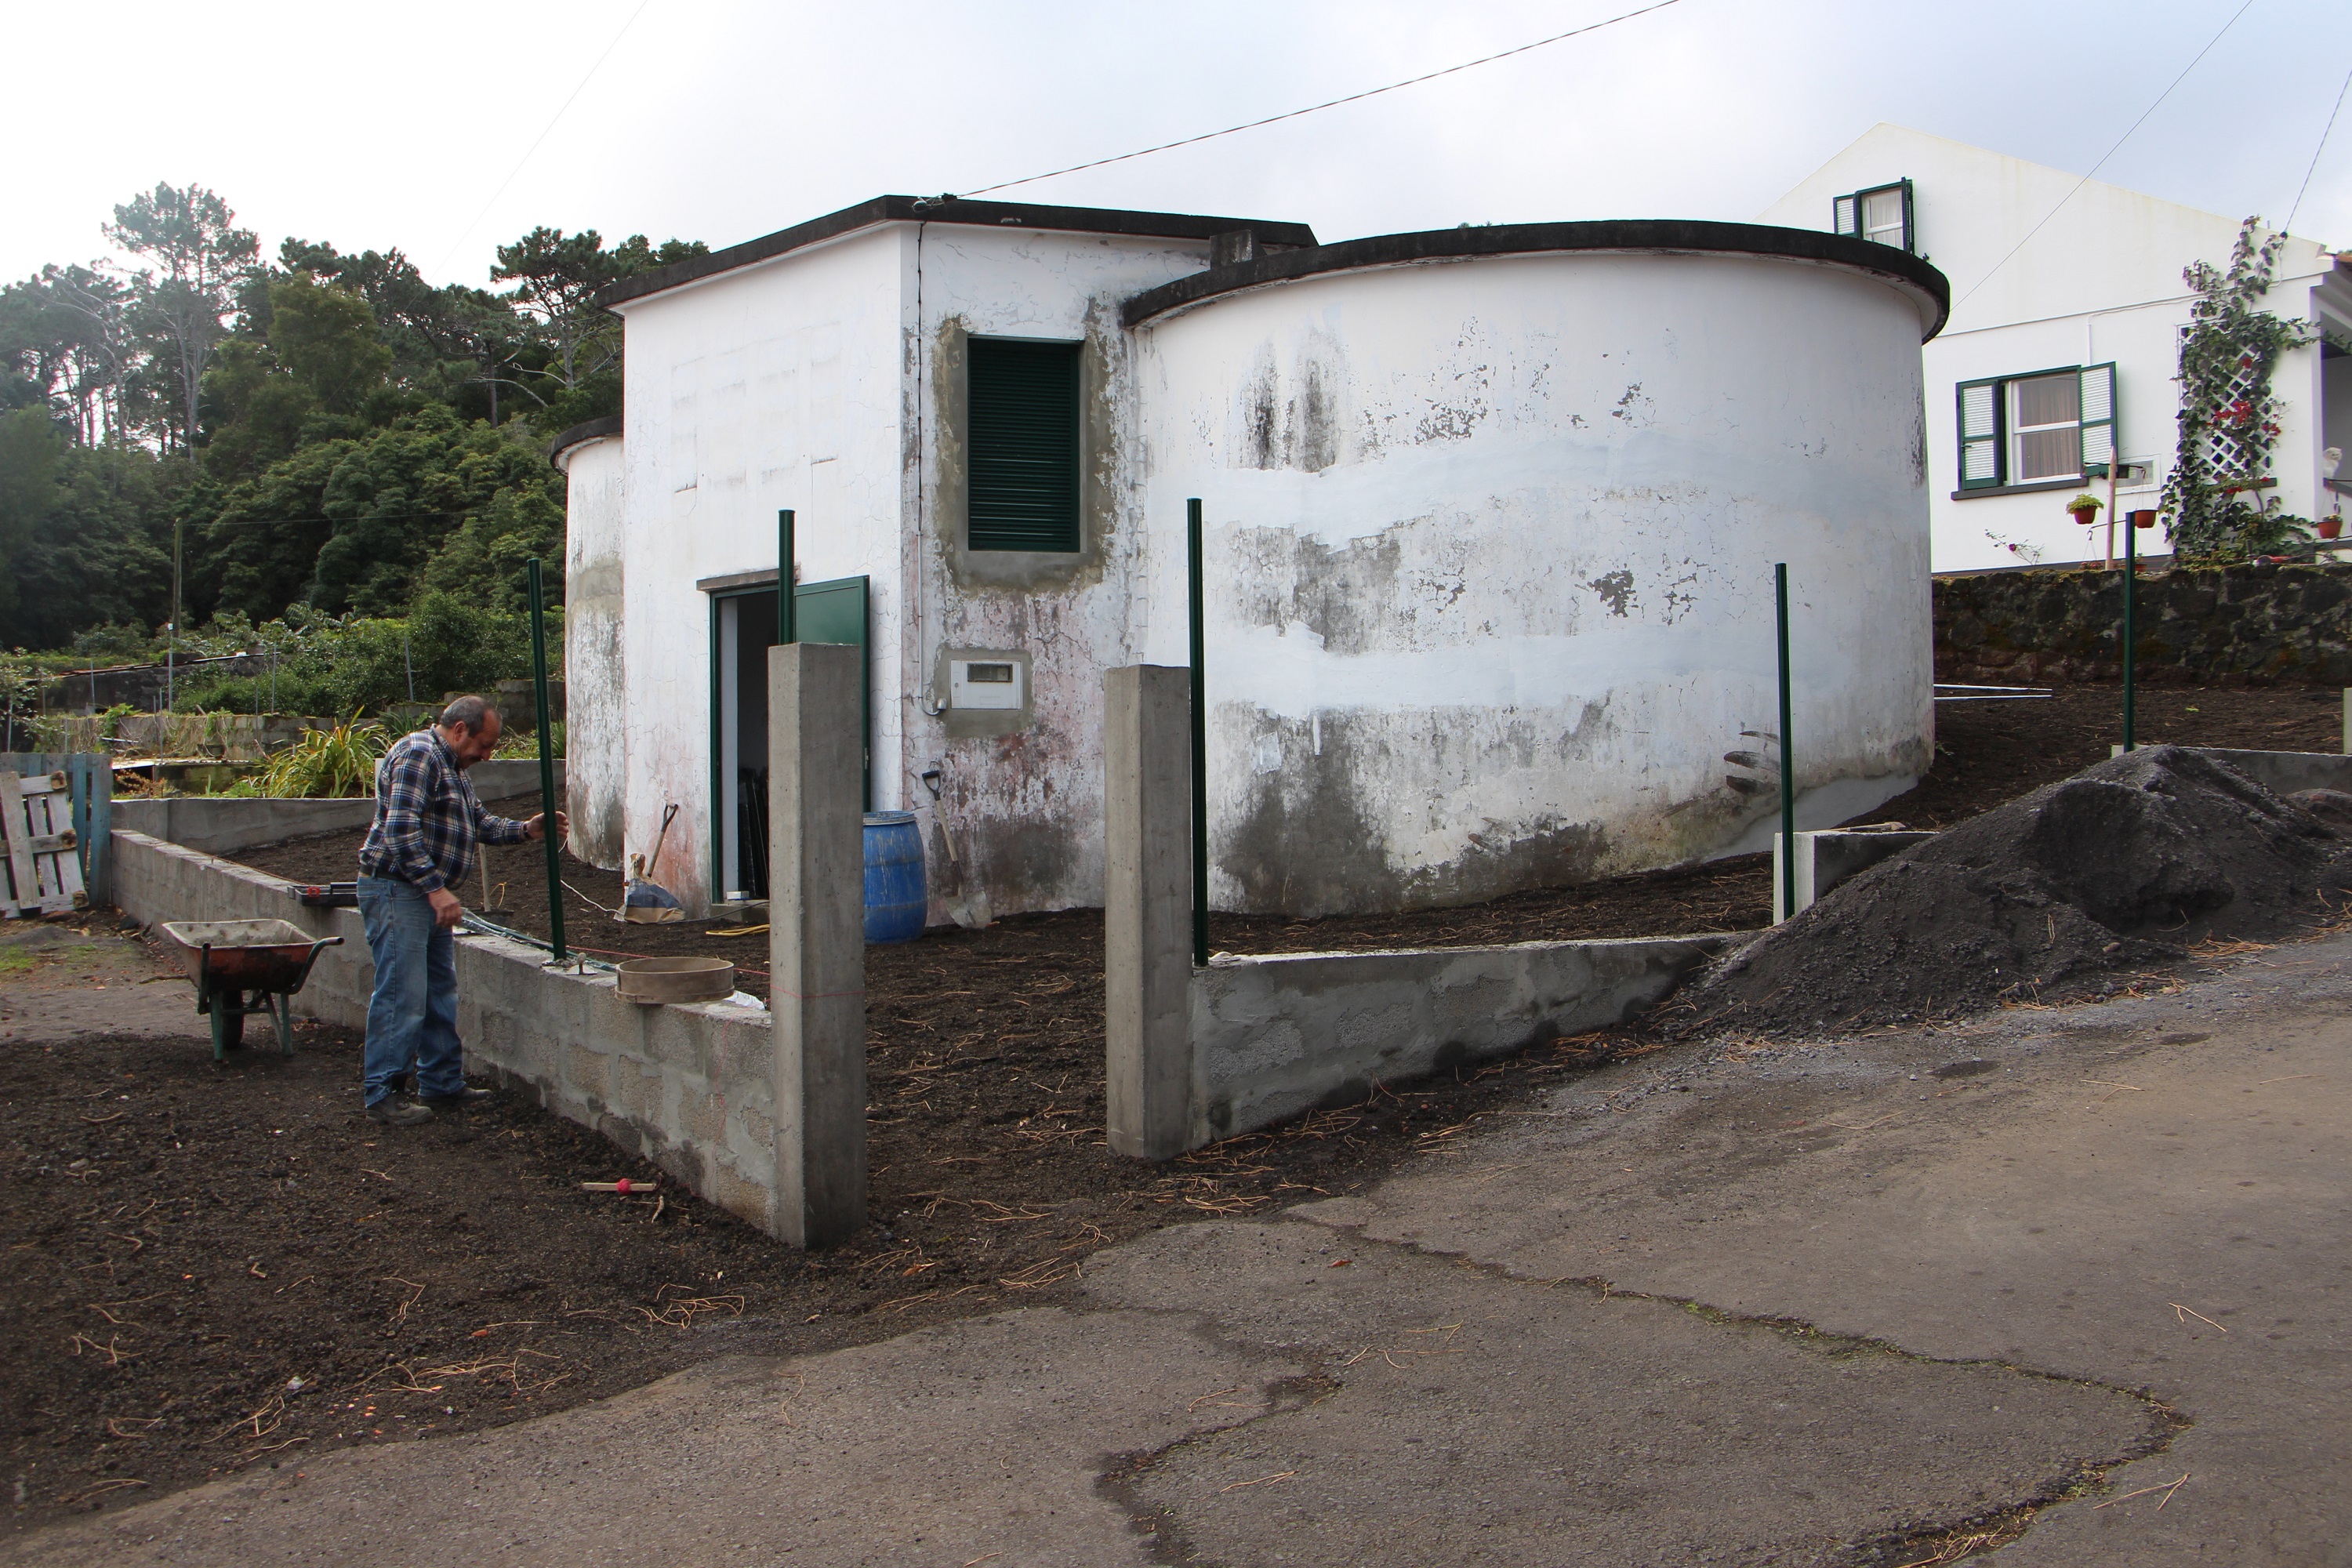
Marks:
<point>1491,521</point>
<point>2066,336</point>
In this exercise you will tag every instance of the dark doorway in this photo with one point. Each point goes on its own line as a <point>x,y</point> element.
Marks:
<point>742,628</point>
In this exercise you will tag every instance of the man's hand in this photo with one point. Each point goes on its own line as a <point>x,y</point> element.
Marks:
<point>445,907</point>
<point>536,827</point>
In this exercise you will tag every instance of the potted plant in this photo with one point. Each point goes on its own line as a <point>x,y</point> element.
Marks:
<point>2331,527</point>
<point>2085,508</point>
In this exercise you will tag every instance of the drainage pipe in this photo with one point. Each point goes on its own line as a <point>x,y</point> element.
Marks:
<point>547,833</point>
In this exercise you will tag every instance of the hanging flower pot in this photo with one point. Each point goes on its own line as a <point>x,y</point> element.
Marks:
<point>2331,528</point>
<point>2143,520</point>
<point>2086,508</point>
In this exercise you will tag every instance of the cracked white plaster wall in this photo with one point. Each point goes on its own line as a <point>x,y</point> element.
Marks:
<point>1507,631</point>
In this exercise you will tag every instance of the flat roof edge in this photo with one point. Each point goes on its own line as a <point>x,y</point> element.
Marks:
<point>936,209</point>
<point>1621,235</point>
<point>579,435</point>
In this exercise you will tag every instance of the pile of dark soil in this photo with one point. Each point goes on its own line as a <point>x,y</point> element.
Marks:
<point>2127,863</point>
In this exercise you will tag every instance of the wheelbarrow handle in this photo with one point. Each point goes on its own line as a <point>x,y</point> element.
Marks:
<point>311,959</point>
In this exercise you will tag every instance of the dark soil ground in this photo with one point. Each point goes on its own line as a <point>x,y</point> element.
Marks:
<point>184,1241</point>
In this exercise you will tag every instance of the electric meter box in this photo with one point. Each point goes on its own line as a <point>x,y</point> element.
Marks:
<point>982,691</point>
<point>991,683</point>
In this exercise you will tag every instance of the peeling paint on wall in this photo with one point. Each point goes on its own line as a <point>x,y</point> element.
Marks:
<point>1505,634</point>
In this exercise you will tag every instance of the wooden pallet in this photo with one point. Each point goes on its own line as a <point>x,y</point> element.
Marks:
<point>40,866</point>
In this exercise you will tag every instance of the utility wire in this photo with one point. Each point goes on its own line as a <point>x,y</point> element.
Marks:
<point>1334,103</point>
<point>2316,151</point>
<point>2110,152</point>
<point>463,232</point>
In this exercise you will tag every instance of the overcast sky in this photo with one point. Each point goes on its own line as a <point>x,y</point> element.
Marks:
<point>722,120</point>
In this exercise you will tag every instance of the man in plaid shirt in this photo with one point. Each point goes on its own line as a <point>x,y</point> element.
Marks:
<point>427,822</point>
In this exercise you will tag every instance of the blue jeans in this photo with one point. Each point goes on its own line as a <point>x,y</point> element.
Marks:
<point>412,1017</point>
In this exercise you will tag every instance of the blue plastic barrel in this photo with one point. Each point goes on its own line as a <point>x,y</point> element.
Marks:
<point>894,895</point>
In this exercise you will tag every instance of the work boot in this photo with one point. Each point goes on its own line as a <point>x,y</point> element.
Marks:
<point>457,1102</point>
<point>394,1112</point>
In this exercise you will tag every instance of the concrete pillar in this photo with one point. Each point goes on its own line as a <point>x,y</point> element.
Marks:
<point>1148,910</point>
<point>816,939</point>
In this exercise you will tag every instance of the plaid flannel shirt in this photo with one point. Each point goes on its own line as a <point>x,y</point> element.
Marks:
<point>428,818</point>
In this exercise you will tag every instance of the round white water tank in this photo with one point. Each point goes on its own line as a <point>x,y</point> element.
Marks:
<point>1491,522</point>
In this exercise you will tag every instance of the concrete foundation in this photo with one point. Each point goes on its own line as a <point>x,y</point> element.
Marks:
<point>1825,859</point>
<point>817,938</point>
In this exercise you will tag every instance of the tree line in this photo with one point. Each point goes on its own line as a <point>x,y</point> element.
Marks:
<point>323,433</point>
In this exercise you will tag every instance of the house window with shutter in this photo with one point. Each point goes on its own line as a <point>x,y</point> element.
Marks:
<point>1022,444</point>
<point>2052,427</point>
<point>1882,213</point>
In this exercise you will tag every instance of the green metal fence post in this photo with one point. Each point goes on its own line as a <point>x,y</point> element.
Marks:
<point>785,628</point>
<point>1200,746</point>
<point>1788,762</point>
<point>547,801</point>
<point>2131,596</point>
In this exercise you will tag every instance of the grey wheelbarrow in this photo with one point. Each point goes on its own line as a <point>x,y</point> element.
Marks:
<point>246,967</point>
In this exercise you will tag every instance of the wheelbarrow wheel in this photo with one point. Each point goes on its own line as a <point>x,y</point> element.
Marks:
<point>228,1023</point>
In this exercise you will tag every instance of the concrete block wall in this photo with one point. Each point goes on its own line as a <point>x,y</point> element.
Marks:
<point>2288,773</point>
<point>219,824</point>
<point>1271,1037</point>
<point>690,1088</point>
<point>1827,858</point>
<point>1194,1055</point>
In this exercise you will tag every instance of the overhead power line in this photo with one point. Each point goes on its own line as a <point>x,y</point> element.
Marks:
<point>2316,151</point>
<point>464,233</point>
<point>1334,103</point>
<point>2110,152</point>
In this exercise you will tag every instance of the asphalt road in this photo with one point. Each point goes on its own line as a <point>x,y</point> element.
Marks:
<point>2063,1287</point>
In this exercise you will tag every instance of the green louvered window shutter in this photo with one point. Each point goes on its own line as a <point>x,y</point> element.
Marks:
<point>2098,419</point>
<point>1979,434</point>
<point>1022,444</point>
<point>1845,215</point>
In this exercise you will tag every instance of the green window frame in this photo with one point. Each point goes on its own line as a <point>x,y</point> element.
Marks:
<point>1022,444</point>
<point>1851,214</point>
<point>1984,416</point>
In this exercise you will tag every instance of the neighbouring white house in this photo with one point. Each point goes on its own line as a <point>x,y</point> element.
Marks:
<point>2068,303</point>
<point>1490,522</point>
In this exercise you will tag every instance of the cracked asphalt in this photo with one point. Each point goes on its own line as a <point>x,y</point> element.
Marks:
<point>2056,1287</point>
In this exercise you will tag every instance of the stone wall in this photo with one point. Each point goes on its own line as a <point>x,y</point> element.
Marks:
<point>2254,625</point>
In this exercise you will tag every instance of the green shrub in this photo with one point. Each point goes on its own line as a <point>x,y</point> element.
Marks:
<point>326,764</point>
<point>523,745</point>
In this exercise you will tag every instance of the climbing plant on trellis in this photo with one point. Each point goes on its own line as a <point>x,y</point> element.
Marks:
<point>2228,419</point>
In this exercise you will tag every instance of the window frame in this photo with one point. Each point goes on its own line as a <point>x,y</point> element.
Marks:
<point>2017,431</point>
<point>1850,212</point>
<point>2095,424</point>
<point>980,533</point>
